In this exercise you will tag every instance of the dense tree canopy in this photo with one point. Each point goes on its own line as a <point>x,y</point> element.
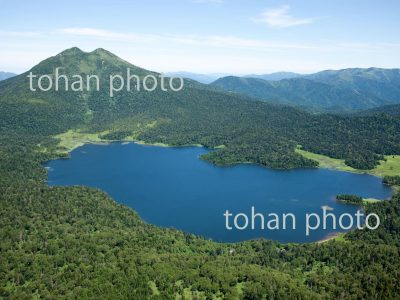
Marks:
<point>76,242</point>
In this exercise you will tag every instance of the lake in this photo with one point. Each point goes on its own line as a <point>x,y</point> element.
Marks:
<point>172,187</point>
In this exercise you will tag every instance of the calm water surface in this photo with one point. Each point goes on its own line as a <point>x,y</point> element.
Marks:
<point>171,187</point>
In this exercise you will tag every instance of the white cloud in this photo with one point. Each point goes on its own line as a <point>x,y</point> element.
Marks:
<point>96,35</point>
<point>216,41</point>
<point>280,18</point>
<point>106,34</point>
<point>211,41</point>
<point>197,53</point>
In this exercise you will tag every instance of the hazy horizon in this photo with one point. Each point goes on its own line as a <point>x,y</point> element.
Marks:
<point>216,73</point>
<point>207,36</point>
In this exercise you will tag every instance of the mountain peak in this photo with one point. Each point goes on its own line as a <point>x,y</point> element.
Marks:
<point>101,51</point>
<point>71,51</point>
<point>104,54</point>
<point>75,61</point>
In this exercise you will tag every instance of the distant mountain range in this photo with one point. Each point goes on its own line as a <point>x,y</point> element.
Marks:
<point>5,75</point>
<point>347,89</point>
<point>202,78</point>
<point>275,76</point>
<point>208,78</point>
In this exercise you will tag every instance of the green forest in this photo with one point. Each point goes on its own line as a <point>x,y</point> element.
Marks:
<point>351,199</point>
<point>78,243</point>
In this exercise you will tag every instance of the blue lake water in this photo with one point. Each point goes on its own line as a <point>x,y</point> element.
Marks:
<point>172,187</point>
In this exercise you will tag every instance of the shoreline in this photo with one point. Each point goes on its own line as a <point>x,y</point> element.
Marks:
<point>71,140</point>
<point>339,236</point>
<point>390,167</point>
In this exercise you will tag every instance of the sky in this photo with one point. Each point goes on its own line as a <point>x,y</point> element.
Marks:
<point>206,36</point>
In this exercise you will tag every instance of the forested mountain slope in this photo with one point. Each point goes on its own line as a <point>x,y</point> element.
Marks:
<point>76,242</point>
<point>383,84</point>
<point>393,110</point>
<point>335,91</point>
<point>252,131</point>
<point>296,92</point>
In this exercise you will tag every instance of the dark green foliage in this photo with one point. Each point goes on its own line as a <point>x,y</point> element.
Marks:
<point>77,243</point>
<point>391,180</point>
<point>351,199</point>
<point>393,110</point>
<point>116,135</point>
<point>251,131</point>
